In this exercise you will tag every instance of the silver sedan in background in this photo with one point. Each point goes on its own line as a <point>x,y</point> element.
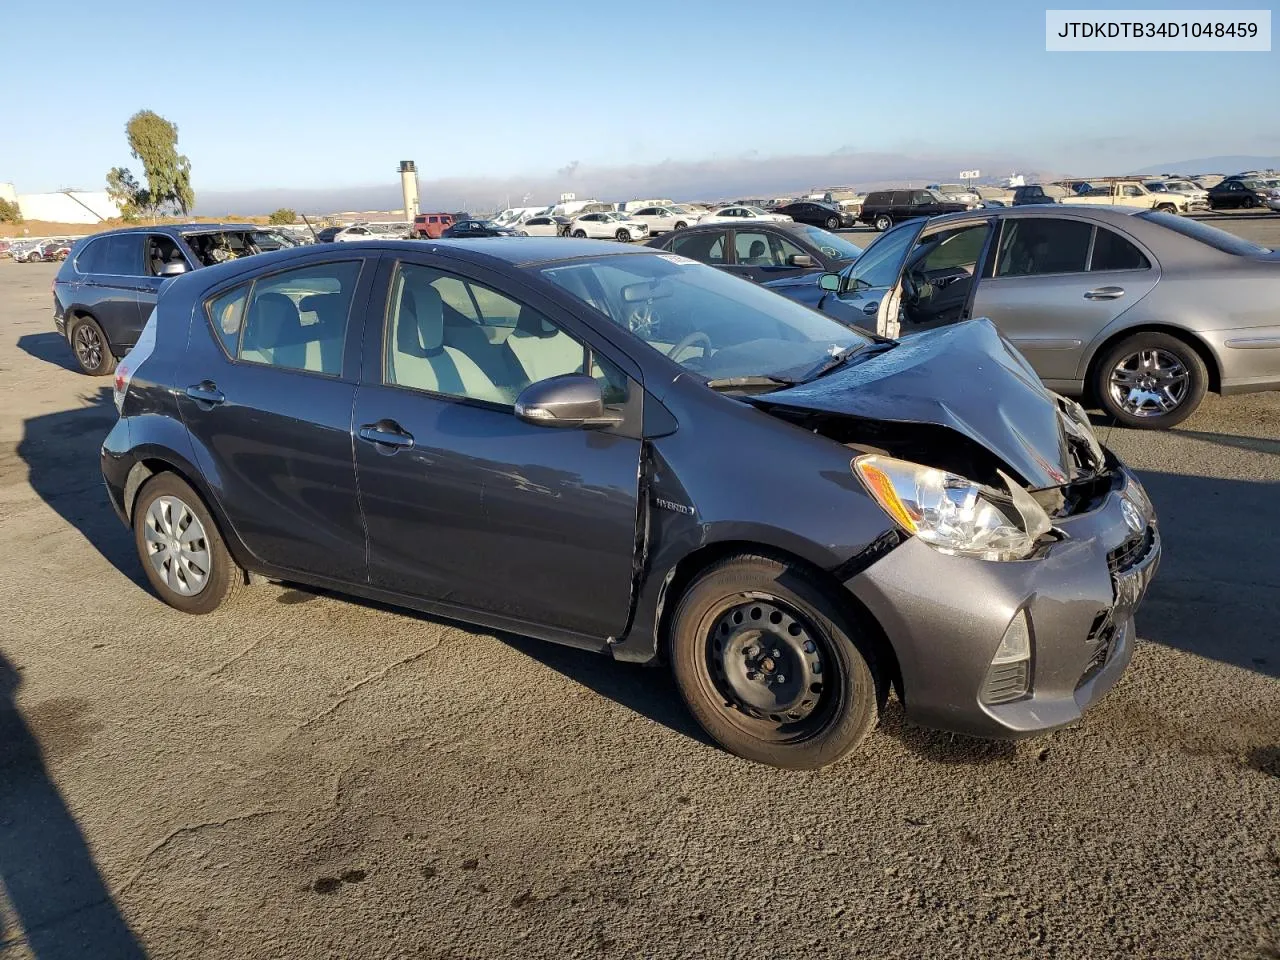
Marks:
<point>1142,312</point>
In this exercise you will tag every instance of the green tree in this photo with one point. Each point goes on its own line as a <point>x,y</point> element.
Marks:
<point>283,215</point>
<point>10,212</point>
<point>154,141</point>
<point>130,196</point>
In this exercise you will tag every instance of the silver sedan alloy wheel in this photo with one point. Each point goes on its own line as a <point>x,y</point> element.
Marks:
<point>1149,383</point>
<point>176,546</point>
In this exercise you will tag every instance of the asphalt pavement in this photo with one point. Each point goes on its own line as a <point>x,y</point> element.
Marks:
<point>301,775</point>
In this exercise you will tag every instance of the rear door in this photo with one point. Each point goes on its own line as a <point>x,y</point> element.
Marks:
<point>1056,282</point>
<point>267,389</point>
<point>467,505</point>
<point>111,290</point>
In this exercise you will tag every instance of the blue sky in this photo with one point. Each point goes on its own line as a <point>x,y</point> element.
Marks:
<point>326,94</point>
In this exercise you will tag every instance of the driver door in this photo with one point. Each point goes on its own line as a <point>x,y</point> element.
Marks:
<point>867,285</point>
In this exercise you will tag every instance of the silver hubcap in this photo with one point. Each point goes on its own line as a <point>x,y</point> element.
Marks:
<point>1149,383</point>
<point>176,546</point>
<point>88,347</point>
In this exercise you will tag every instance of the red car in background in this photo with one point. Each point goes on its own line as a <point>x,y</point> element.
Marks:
<point>431,225</point>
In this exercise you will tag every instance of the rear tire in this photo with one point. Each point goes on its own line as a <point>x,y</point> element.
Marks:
<point>181,549</point>
<point>883,222</point>
<point>90,347</point>
<point>771,666</point>
<point>1121,398</point>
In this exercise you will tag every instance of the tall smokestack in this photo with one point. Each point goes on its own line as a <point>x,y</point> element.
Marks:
<point>409,187</point>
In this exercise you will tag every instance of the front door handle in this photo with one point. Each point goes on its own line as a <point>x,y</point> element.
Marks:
<point>387,435</point>
<point>1105,293</point>
<point>206,391</point>
<point>871,309</point>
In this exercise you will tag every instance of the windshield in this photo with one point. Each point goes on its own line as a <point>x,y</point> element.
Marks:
<point>882,262</point>
<point>757,211</point>
<point>706,320</point>
<point>829,243</point>
<point>1197,230</point>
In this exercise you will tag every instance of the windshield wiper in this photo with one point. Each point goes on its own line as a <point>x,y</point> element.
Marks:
<point>861,350</point>
<point>750,382</point>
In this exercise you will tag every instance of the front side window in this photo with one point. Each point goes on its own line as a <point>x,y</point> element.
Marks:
<point>702,318</point>
<point>297,319</point>
<point>161,250</point>
<point>1131,191</point>
<point>758,249</point>
<point>490,350</point>
<point>1033,246</point>
<point>881,264</point>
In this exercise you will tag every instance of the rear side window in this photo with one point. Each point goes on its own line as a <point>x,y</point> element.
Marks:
<point>122,256</point>
<point>1034,246</point>
<point>1113,252</point>
<point>226,313</point>
<point>703,247</point>
<point>296,320</point>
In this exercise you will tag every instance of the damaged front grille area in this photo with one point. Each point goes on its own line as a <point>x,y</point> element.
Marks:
<point>1132,552</point>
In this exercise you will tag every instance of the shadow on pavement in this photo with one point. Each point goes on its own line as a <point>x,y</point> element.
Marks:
<point>61,451</point>
<point>62,905</point>
<point>49,347</point>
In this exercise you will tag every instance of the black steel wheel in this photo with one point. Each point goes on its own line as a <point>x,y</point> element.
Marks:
<point>772,666</point>
<point>89,344</point>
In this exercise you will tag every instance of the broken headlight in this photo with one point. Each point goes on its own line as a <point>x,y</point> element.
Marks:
<point>952,514</point>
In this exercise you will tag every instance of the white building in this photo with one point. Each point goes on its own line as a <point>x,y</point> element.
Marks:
<point>71,206</point>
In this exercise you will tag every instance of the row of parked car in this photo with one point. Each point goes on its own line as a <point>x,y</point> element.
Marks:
<point>41,250</point>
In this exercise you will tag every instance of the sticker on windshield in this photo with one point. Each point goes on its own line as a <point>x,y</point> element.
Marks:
<point>676,258</point>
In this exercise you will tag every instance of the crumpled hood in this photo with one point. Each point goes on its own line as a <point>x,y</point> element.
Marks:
<point>965,377</point>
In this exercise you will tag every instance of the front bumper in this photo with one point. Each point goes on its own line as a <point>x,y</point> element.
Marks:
<point>945,617</point>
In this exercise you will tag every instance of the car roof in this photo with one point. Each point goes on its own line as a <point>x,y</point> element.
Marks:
<point>183,228</point>
<point>481,251</point>
<point>754,225</point>
<point>1102,211</point>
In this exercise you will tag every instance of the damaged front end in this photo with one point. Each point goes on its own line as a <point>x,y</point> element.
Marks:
<point>938,449</point>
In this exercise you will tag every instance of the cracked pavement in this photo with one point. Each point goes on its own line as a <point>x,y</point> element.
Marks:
<point>301,775</point>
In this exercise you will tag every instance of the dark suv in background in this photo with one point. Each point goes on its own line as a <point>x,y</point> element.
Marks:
<point>109,283</point>
<point>883,208</point>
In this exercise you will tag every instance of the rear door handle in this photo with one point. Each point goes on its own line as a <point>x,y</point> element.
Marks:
<point>1105,293</point>
<point>206,391</point>
<point>387,434</point>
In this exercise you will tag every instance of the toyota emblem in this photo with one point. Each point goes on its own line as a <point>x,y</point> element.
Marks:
<point>1132,519</point>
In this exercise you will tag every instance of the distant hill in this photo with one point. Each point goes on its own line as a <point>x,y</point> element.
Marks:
<point>1227,165</point>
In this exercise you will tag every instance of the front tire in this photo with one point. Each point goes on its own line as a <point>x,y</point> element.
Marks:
<point>883,222</point>
<point>89,344</point>
<point>833,223</point>
<point>580,234</point>
<point>622,236</point>
<point>1150,381</point>
<point>680,225</point>
<point>182,552</point>
<point>1166,208</point>
<point>771,666</point>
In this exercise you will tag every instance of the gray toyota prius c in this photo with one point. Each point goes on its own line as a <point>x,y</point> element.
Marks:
<point>626,451</point>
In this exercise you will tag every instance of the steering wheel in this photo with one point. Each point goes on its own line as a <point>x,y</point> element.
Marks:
<point>910,289</point>
<point>696,337</point>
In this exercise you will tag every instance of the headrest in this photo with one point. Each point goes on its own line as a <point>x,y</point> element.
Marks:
<point>273,321</point>
<point>429,310</point>
<point>531,323</point>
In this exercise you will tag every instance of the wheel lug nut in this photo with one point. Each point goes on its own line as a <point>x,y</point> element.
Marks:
<point>809,647</point>
<point>781,678</point>
<point>774,653</point>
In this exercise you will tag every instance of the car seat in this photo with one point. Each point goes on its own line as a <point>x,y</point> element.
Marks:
<point>421,358</point>
<point>542,349</point>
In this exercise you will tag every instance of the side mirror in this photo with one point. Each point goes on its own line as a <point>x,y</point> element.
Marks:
<point>174,268</point>
<point>570,400</point>
<point>830,282</point>
<point>801,260</point>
